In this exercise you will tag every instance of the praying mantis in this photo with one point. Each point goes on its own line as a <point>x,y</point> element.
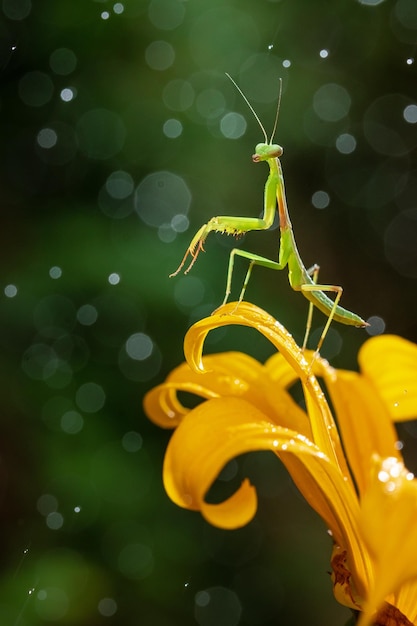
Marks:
<point>300,278</point>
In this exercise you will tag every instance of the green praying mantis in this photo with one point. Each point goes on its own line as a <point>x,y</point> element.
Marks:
<point>300,278</point>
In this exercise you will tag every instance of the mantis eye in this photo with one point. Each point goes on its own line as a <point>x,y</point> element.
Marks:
<point>275,150</point>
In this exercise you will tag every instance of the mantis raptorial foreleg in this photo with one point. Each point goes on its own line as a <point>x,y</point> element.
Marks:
<point>301,279</point>
<point>221,224</point>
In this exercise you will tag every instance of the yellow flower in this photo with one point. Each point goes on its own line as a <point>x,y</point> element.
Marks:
<point>362,491</point>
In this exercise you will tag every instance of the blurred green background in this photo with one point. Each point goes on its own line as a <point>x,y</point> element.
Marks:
<point>120,136</point>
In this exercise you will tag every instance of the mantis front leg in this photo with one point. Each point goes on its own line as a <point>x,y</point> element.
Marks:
<point>223,224</point>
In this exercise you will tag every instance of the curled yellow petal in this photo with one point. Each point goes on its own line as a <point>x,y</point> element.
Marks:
<point>231,373</point>
<point>246,314</point>
<point>227,374</point>
<point>234,512</point>
<point>221,429</point>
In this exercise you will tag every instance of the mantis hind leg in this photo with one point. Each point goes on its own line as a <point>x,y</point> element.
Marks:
<point>333,288</point>
<point>314,273</point>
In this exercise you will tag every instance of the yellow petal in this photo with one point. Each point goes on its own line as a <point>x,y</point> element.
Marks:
<point>363,421</point>
<point>280,371</point>
<point>390,362</point>
<point>322,423</point>
<point>388,525</point>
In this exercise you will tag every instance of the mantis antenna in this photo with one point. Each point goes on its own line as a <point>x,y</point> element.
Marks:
<point>254,112</point>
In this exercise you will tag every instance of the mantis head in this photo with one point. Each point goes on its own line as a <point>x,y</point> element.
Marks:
<point>265,151</point>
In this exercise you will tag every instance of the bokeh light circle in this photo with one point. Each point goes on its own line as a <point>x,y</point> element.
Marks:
<point>36,88</point>
<point>210,103</point>
<point>139,346</point>
<point>90,397</point>
<point>386,129</point>
<point>62,61</point>
<point>346,143</point>
<point>331,102</point>
<point>107,607</point>
<point>217,606</point>
<point>16,9</point>
<point>119,185</point>
<point>161,196</point>
<point>172,128</point>
<point>166,14</point>
<point>320,199</point>
<point>233,125</point>
<point>160,55</point>
<point>178,95</point>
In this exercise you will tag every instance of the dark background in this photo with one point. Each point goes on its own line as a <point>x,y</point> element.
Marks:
<point>117,126</point>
